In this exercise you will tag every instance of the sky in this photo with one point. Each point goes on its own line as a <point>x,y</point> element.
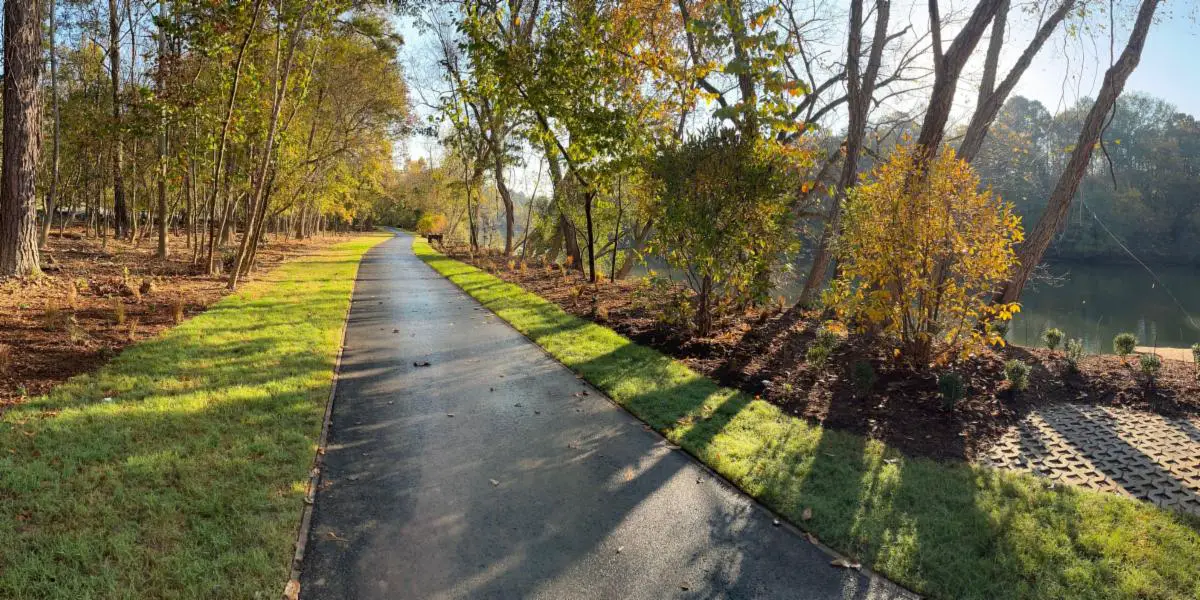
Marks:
<point>1068,68</point>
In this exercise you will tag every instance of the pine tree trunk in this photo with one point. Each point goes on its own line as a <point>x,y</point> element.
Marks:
<point>22,112</point>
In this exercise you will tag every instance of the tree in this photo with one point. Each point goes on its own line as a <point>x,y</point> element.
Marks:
<point>22,117</point>
<point>1059,206</point>
<point>861,89</point>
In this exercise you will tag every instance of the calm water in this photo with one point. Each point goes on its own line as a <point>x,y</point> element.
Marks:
<point>1093,303</point>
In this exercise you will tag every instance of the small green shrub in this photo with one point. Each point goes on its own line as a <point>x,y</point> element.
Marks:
<point>1196,353</point>
<point>817,354</point>
<point>951,388</point>
<point>1150,364</point>
<point>1017,374</point>
<point>1124,344</point>
<point>1052,338</point>
<point>826,337</point>
<point>1075,353</point>
<point>862,377</point>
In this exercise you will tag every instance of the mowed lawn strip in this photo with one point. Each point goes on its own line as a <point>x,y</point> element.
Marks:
<point>950,531</point>
<point>178,470</point>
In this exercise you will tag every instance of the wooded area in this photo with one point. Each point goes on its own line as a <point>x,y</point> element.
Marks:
<point>221,123</point>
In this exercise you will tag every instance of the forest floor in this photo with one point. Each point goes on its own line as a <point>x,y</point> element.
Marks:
<point>97,298</point>
<point>944,528</point>
<point>179,468</point>
<point>763,353</point>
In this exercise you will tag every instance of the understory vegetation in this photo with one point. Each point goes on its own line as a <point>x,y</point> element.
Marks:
<point>179,469</point>
<point>943,529</point>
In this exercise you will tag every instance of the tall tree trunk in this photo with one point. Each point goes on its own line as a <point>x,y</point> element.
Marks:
<point>162,132</point>
<point>281,85</point>
<point>860,89</point>
<point>1059,206</point>
<point>52,193</point>
<point>505,197</point>
<point>225,126</point>
<point>120,217</point>
<point>22,120</point>
<point>992,100</point>
<point>948,67</point>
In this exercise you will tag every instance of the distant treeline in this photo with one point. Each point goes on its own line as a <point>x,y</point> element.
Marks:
<point>1143,184</point>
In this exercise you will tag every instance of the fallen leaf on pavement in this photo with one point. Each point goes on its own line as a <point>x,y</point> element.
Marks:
<point>292,590</point>
<point>845,564</point>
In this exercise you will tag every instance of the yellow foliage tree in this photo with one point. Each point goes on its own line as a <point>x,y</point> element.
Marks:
<point>431,223</point>
<point>922,251</point>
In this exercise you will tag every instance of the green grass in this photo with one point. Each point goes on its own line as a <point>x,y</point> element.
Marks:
<point>178,470</point>
<point>949,531</point>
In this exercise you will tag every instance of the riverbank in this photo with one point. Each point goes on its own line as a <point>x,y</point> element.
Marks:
<point>764,354</point>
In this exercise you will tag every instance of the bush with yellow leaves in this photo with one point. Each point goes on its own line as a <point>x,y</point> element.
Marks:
<point>431,223</point>
<point>922,251</point>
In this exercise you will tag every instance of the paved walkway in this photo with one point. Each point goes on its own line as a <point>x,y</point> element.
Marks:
<point>1127,452</point>
<point>495,473</point>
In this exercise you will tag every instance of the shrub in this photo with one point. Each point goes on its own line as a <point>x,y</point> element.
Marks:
<point>951,388</point>
<point>862,377</point>
<point>1124,344</point>
<point>1017,374</point>
<point>431,223</point>
<point>664,301</point>
<point>817,354</point>
<point>723,216</point>
<point>177,310</point>
<point>827,337</point>
<point>1150,364</point>
<point>1000,329</point>
<point>1075,353</point>
<point>1196,354</point>
<point>72,296</point>
<point>922,256</point>
<point>54,318</point>
<point>118,311</point>
<point>1052,338</point>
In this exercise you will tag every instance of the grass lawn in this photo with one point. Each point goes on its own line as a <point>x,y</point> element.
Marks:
<point>949,531</point>
<point>178,469</point>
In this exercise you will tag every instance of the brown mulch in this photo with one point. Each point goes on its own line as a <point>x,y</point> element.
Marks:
<point>48,335</point>
<point>762,353</point>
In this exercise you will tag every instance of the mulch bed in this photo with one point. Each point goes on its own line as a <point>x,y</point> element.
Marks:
<point>48,334</point>
<point>763,353</point>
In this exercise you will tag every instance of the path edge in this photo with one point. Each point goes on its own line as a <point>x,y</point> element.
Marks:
<point>291,589</point>
<point>873,577</point>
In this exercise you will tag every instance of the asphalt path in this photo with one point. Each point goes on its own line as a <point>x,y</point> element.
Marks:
<point>495,472</point>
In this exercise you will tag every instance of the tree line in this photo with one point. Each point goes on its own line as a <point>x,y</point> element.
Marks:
<point>633,106</point>
<point>214,121</point>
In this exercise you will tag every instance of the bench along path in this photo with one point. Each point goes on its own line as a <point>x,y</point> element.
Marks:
<point>495,473</point>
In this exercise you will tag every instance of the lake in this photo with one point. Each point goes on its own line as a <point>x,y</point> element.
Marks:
<point>1089,302</point>
<point>1095,303</point>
